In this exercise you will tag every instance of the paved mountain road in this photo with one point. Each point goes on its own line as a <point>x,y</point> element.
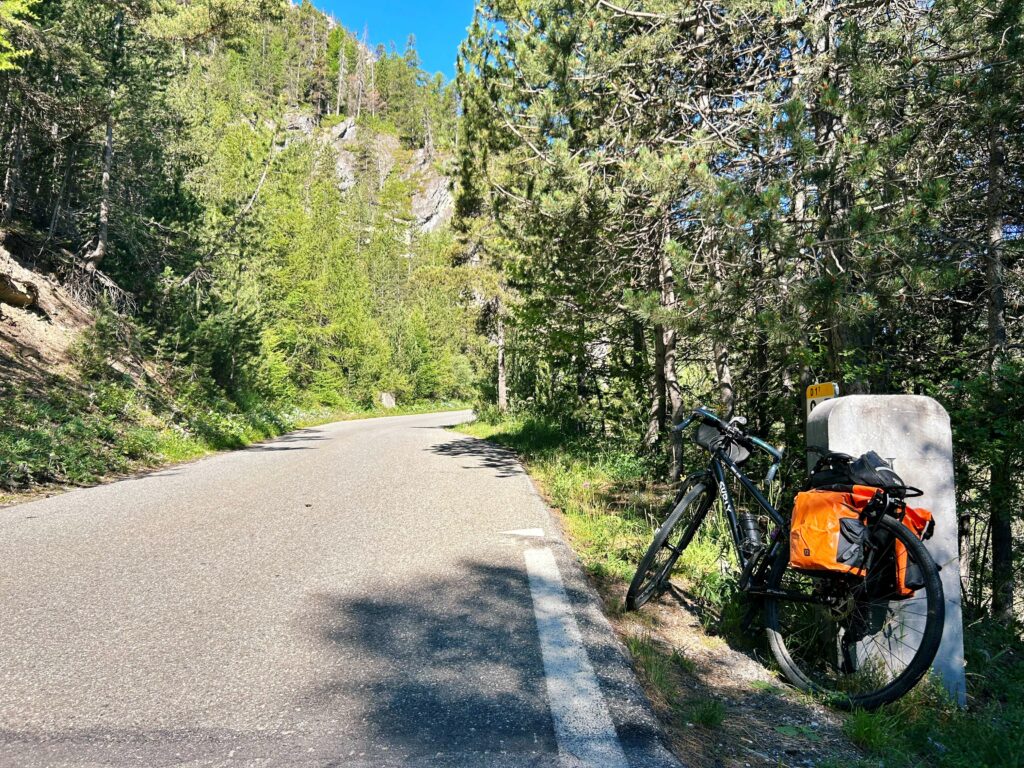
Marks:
<point>347,595</point>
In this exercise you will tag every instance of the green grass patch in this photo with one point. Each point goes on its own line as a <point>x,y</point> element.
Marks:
<point>707,712</point>
<point>602,489</point>
<point>654,664</point>
<point>682,663</point>
<point>315,416</point>
<point>875,732</point>
<point>63,432</point>
<point>763,686</point>
<point>924,728</point>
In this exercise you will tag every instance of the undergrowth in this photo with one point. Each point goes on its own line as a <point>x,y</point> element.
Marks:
<point>611,508</point>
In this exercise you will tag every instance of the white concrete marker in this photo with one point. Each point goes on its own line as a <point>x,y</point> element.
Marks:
<point>526,533</point>
<point>913,433</point>
<point>584,729</point>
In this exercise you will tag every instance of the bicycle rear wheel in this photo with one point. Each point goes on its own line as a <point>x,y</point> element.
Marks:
<point>689,509</point>
<point>856,640</point>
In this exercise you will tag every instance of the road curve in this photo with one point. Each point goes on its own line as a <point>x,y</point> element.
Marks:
<point>348,595</point>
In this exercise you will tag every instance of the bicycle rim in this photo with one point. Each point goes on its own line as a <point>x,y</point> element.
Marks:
<point>858,643</point>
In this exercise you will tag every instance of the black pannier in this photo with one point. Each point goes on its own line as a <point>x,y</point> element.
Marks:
<point>839,470</point>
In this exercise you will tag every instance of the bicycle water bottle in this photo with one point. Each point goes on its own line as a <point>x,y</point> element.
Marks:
<point>751,530</point>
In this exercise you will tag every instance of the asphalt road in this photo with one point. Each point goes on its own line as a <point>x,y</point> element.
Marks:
<point>348,595</point>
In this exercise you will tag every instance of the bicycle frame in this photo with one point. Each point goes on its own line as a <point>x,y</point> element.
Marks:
<point>754,571</point>
<point>845,618</point>
<point>718,466</point>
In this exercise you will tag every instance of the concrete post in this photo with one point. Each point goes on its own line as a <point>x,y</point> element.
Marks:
<point>914,435</point>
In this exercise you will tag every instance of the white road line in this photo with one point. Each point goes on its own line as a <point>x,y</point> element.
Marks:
<point>584,729</point>
<point>526,533</point>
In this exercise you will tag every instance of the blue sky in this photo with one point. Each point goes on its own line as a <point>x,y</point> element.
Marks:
<point>439,25</point>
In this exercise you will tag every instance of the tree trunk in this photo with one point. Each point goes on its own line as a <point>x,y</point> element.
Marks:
<point>673,398</point>
<point>1001,488</point>
<point>994,268</point>
<point>1001,506</point>
<point>360,77</point>
<point>674,395</point>
<point>428,135</point>
<point>719,348</point>
<point>342,61</point>
<point>371,91</point>
<point>502,372</point>
<point>69,165</point>
<point>657,411</point>
<point>12,179</point>
<point>95,258</point>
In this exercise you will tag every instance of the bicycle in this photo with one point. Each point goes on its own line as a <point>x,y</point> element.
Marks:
<point>852,639</point>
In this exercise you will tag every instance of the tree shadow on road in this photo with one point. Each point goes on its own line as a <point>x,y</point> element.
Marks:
<point>283,443</point>
<point>450,666</point>
<point>487,455</point>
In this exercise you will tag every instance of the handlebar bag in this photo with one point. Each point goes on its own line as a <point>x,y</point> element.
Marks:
<point>713,439</point>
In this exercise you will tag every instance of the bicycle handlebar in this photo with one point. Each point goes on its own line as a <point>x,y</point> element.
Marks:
<point>732,429</point>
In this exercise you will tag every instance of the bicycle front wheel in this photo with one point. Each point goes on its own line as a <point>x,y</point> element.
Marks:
<point>689,509</point>
<point>859,641</point>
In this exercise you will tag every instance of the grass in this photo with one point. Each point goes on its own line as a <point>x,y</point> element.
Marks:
<point>611,508</point>
<point>709,713</point>
<point>681,662</point>
<point>923,728</point>
<point>315,416</point>
<point>763,686</point>
<point>653,663</point>
<point>876,732</point>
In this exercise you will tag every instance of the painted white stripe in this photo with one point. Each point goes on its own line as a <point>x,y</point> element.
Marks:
<point>526,533</point>
<point>584,729</point>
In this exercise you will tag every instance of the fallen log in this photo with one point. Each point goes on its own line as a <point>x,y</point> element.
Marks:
<point>17,293</point>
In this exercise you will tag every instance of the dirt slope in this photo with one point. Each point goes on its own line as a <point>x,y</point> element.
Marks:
<point>764,722</point>
<point>37,340</point>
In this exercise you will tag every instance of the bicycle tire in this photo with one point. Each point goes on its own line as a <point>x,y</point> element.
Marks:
<point>651,575</point>
<point>915,669</point>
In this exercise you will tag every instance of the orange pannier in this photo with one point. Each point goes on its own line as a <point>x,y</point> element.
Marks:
<point>909,579</point>
<point>826,532</point>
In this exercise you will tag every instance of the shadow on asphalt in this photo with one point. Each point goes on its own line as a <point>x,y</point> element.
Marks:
<point>450,666</point>
<point>488,455</point>
<point>281,443</point>
<point>152,474</point>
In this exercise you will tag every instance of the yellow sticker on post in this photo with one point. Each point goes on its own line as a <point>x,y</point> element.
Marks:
<point>819,393</point>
